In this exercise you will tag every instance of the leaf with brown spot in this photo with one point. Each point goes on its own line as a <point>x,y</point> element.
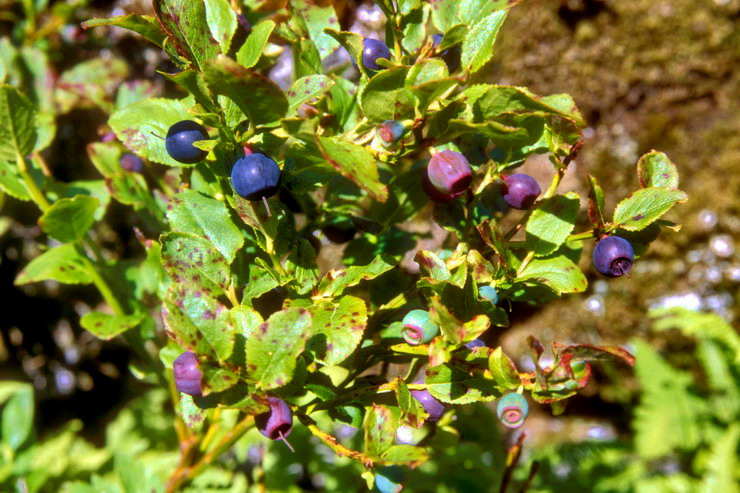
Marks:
<point>193,261</point>
<point>354,162</point>
<point>337,328</point>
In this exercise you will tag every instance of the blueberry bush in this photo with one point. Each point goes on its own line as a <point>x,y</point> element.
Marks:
<point>244,328</point>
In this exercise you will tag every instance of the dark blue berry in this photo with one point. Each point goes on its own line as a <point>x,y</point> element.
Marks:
<point>388,479</point>
<point>449,172</point>
<point>188,377</point>
<point>418,328</point>
<point>390,132</point>
<point>475,343</point>
<point>372,49</point>
<point>131,162</point>
<point>451,56</point>
<point>277,423</point>
<point>180,138</point>
<point>613,256</point>
<point>255,177</point>
<point>520,190</point>
<point>512,410</point>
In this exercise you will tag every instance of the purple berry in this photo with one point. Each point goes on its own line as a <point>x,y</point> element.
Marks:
<point>371,51</point>
<point>512,410</point>
<point>613,256</point>
<point>390,132</point>
<point>255,177</point>
<point>180,138</point>
<point>277,423</point>
<point>418,328</point>
<point>520,190</point>
<point>449,172</point>
<point>432,406</point>
<point>435,194</point>
<point>131,162</point>
<point>188,377</point>
<point>475,343</point>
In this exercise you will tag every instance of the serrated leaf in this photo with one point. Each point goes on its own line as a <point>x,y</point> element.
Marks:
<point>194,261</point>
<point>258,97</point>
<point>105,326</point>
<point>306,88</point>
<point>480,269</point>
<point>455,385</point>
<point>503,370</point>
<point>68,220</point>
<point>722,464</point>
<point>380,430</point>
<point>191,414</point>
<point>404,454</point>
<point>251,51</point>
<point>260,281</point>
<point>351,42</point>
<point>337,328</point>
<point>63,264</point>
<point>354,162</point>
<point>550,224</point>
<point>11,181</point>
<point>595,203</point>
<point>432,266</point>
<point>221,20</point>
<point>477,48</point>
<point>145,25</point>
<point>654,169</point>
<point>559,273</point>
<point>186,25</point>
<point>90,84</point>
<point>17,418</point>
<point>386,97</point>
<point>193,212</point>
<point>318,16</point>
<point>138,125</point>
<point>198,322</point>
<point>336,281</point>
<point>644,206</point>
<point>194,82</point>
<point>17,124</point>
<point>246,320</point>
<point>273,350</point>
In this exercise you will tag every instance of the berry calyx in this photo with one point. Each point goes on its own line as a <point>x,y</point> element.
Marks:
<point>418,328</point>
<point>520,190</point>
<point>255,177</point>
<point>372,49</point>
<point>180,138</point>
<point>449,172</point>
<point>512,410</point>
<point>613,256</point>
<point>277,423</point>
<point>188,377</point>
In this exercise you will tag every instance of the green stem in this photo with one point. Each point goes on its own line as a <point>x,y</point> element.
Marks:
<point>38,197</point>
<point>102,285</point>
<point>586,235</point>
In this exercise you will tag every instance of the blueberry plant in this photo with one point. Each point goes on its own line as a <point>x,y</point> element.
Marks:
<point>238,184</point>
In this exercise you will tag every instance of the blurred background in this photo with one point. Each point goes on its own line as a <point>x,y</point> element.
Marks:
<point>646,74</point>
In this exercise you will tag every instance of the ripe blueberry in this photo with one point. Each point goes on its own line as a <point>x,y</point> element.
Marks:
<point>131,162</point>
<point>180,138</point>
<point>188,376</point>
<point>451,56</point>
<point>449,172</point>
<point>435,194</point>
<point>512,410</point>
<point>418,328</point>
<point>388,479</point>
<point>277,423</point>
<point>613,256</point>
<point>372,49</point>
<point>520,190</point>
<point>489,293</point>
<point>432,406</point>
<point>255,177</point>
<point>390,132</point>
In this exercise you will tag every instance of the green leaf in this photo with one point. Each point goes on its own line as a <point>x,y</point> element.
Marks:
<point>560,273</point>
<point>105,157</point>
<point>131,189</point>
<point>380,430</point>
<point>221,19</point>
<point>258,97</point>
<point>351,42</point>
<point>194,82</point>
<point>722,464</point>
<point>260,282</point>
<point>455,385</point>
<point>106,327</point>
<point>433,268</point>
<point>444,14</point>
<point>17,124</point>
<point>503,370</point>
<point>301,266</point>
<point>11,181</point>
<point>145,25</point>
<point>247,320</point>
<point>186,24</point>
<point>63,264</point>
<point>654,169</point>
<point>251,51</point>
<point>413,25</point>
<point>193,212</point>
<point>477,48</point>
<point>643,207</point>
<point>337,328</point>
<point>354,162</point>
<point>68,220</point>
<point>17,419</point>
<point>191,414</point>
<point>337,280</point>
<point>194,261</point>
<point>198,322</point>
<point>90,84</point>
<point>386,97</point>
<point>306,88</point>
<point>404,454</point>
<point>317,17</point>
<point>595,203</point>
<point>138,125</point>
<point>273,350</point>
<point>550,224</point>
